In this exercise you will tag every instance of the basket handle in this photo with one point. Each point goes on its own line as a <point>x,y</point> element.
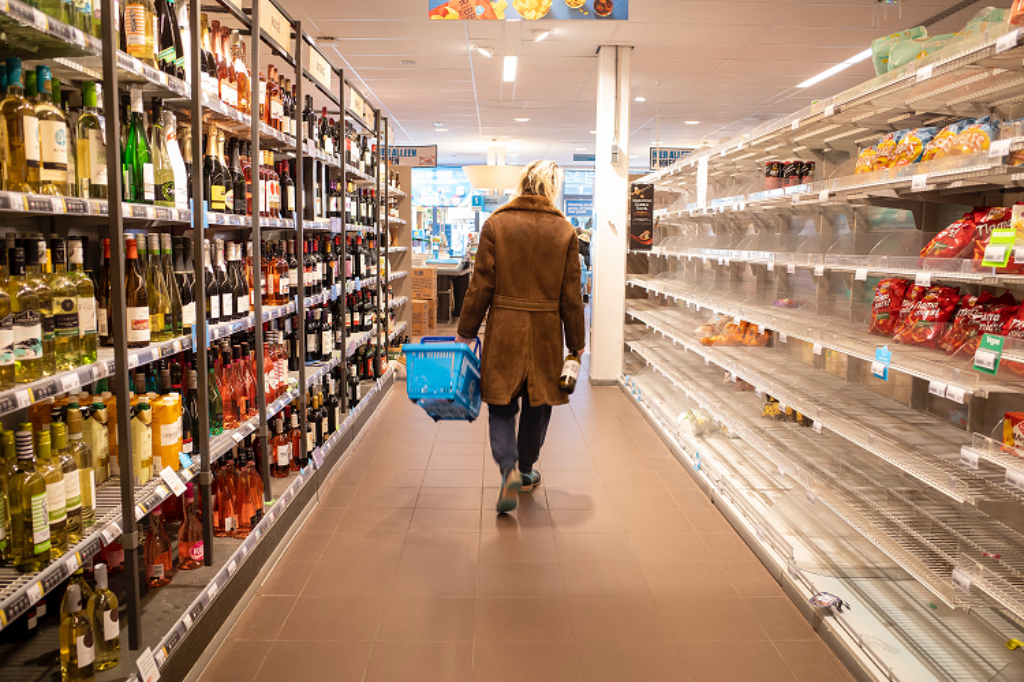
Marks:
<point>449,339</point>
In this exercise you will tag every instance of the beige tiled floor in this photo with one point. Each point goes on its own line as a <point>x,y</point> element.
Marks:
<point>617,568</point>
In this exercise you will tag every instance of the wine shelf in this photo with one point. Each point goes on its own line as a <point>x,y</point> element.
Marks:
<point>398,275</point>
<point>359,177</point>
<point>398,193</point>
<point>396,302</point>
<point>397,331</point>
<point>177,633</point>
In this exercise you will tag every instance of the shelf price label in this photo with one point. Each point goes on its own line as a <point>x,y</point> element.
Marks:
<point>937,388</point>
<point>1000,248</point>
<point>1015,478</point>
<point>173,480</point>
<point>1000,148</point>
<point>149,671</point>
<point>924,73</point>
<point>969,457</point>
<point>962,581</point>
<point>860,275</point>
<point>986,358</point>
<point>919,182</point>
<point>1007,41</point>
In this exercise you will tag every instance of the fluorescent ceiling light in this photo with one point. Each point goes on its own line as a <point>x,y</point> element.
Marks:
<point>521,120</point>
<point>855,59</point>
<point>593,132</point>
<point>485,51</point>
<point>438,124</point>
<point>639,99</point>
<point>541,35</point>
<point>692,123</point>
<point>407,61</point>
<point>509,72</point>
<point>440,130</point>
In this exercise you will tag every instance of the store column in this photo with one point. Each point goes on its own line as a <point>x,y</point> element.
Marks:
<point>610,234</point>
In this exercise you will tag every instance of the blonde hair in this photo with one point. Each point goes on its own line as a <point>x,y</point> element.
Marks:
<point>542,178</point>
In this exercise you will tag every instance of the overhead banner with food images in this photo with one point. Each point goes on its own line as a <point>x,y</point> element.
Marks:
<point>530,10</point>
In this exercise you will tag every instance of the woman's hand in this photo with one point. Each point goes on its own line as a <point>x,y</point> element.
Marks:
<point>463,339</point>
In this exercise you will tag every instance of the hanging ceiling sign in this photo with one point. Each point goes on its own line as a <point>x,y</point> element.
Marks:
<point>663,157</point>
<point>319,68</point>
<point>530,10</point>
<point>417,157</point>
<point>274,23</point>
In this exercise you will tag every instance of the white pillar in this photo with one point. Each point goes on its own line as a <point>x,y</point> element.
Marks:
<point>611,231</point>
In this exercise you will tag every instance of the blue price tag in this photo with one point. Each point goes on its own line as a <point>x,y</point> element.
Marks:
<point>185,460</point>
<point>697,458</point>
<point>880,367</point>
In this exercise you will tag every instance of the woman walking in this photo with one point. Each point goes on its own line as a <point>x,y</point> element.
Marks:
<point>527,282</point>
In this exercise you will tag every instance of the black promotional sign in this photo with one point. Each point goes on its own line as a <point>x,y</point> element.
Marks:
<point>641,216</point>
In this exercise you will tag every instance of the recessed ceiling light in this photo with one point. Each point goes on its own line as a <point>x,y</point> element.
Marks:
<point>581,149</point>
<point>521,120</point>
<point>509,72</point>
<point>438,124</point>
<point>541,35</point>
<point>485,51</point>
<point>440,130</point>
<point>407,62</point>
<point>639,99</point>
<point>692,123</point>
<point>593,132</point>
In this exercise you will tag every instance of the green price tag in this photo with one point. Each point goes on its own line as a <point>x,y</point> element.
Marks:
<point>999,249</point>
<point>986,358</point>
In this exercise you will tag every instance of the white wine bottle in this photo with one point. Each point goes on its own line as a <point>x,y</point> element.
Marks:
<point>570,373</point>
<point>103,615</point>
<point>76,640</point>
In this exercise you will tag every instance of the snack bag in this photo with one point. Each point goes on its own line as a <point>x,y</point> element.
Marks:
<point>912,297</point>
<point>1014,329</point>
<point>753,338</point>
<point>911,146</point>
<point>712,326</point>
<point>886,151</point>
<point>990,318</point>
<point>975,137</point>
<point>938,148</point>
<point>963,322</point>
<point>954,241</point>
<point>904,52</point>
<point>881,47</point>
<point>885,309</point>
<point>927,321</point>
<point>866,160</point>
<point>988,219</point>
<point>1013,429</point>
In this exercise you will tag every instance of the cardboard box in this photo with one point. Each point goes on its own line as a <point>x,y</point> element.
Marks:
<point>424,283</point>
<point>420,317</point>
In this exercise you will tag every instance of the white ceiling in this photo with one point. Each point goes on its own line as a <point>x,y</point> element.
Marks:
<point>726,63</point>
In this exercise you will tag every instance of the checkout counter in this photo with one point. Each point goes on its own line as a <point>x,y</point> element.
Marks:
<point>452,283</point>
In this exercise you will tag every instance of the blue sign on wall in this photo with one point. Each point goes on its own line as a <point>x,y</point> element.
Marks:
<point>442,187</point>
<point>584,157</point>
<point>575,208</point>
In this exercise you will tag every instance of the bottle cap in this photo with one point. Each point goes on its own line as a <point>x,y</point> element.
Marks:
<point>23,444</point>
<point>73,599</point>
<point>100,573</point>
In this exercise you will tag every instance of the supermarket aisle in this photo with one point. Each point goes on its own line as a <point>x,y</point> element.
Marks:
<point>617,568</point>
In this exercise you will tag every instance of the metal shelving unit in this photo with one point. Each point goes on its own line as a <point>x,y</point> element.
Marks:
<point>903,470</point>
<point>73,55</point>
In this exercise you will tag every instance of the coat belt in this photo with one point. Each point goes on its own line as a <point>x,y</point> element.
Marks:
<point>511,303</point>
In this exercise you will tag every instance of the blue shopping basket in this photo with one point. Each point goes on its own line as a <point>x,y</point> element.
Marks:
<point>443,377</point>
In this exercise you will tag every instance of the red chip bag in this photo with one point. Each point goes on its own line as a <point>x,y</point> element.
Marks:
<point>990,318</point>
<point>989,219</point>
<point>926,322</point>
<point>954,241</point>
<point>885,309</point>
<point>1014,329</point>
<point>956,334</point>
<point>912,297</point>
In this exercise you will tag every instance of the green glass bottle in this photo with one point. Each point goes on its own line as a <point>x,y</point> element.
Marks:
<point>50,469</point>
<point>86,304</point>
<point>19,134</point>
<point>72,481</point>
<point>163,173</point>
<point>139,180</point>
<point>35,255</point>
<point>30,523</point>
<point>216,402</point>
<point>161,323</point>
<point>92,145</point>
<point>28,323</point>
<point>77,651</point>
<point>67,334</point>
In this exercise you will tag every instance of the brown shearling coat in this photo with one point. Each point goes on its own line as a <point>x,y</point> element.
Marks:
<point>527,281</point>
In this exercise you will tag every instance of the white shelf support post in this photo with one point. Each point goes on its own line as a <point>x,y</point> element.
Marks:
<point>611,226</point>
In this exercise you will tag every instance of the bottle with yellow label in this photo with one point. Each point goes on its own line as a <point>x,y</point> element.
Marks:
<point>142,442</point>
